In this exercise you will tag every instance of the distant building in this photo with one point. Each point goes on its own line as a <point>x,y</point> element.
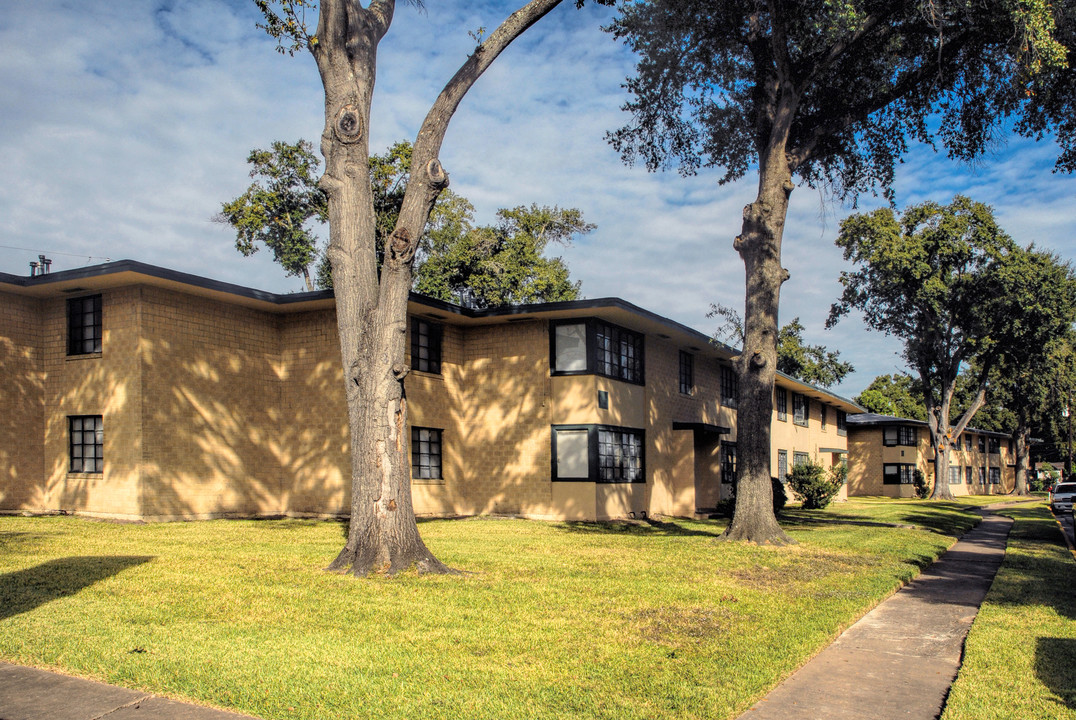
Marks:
<point>885,452</point>
<point>132,391</point>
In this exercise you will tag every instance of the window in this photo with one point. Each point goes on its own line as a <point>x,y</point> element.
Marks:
<point>730,387</point>
<point>84,325</point>
<point>995,476</point>
<point>1009,444</point>
<point>800,458</point>
<point>597,348</point>
<point>842,422</point>
<point>598,453</point>
<point>782,404</point>
<point>425,453</point>
<point>955,475</point>
<point>822,415</point>
<point>967,442</point>
<point>782,465</point>
<point>86,443</point>
<point>425,346</point>
<point>982,475</point>
<point>687,373</point>
<point>898,474</point>
<point>728,462</point>
<point>982,443</point>
<point>899,435</point>
<point>968,475</point>
<point>995,446</point>
<point>799,409</point>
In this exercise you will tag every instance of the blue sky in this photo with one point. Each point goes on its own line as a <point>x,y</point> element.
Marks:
<point>124,125</point>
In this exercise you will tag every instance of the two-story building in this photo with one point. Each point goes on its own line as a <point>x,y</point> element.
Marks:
<point>133,391</point>
<point>886,451</point>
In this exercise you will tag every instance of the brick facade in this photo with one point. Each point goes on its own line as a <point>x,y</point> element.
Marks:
<point>220,401</point>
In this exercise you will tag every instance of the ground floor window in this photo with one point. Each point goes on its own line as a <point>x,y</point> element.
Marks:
<point>969,475</point>
<point>955,475</point>
<point>728,462</point>
<point>800,458</point>
<point>995,476</point>
<point>425,453</point>
<point>782,465</point>
<point>898,474</point>
<point>86,443</point>
<point>598,453</point>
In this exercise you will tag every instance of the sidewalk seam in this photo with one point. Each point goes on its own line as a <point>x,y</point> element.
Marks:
<point>133,703</point>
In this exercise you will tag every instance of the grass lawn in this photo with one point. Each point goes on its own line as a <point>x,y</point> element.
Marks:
<point>1020,656</point>
<point>648,620</point>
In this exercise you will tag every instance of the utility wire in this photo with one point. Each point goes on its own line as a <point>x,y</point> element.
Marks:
<point>55,252</point>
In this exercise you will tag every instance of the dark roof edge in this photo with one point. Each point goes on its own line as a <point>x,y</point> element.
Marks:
<point>878,419</point>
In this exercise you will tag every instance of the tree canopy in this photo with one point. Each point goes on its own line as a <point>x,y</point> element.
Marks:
<point>959,293</point>
<point>898,395</point>
<point>502,264</point>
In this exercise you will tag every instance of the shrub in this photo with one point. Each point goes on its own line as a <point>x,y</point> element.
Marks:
<point>922,490</point>
<point>814,485</point>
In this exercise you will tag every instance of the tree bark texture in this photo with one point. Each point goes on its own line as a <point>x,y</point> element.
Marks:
<point>759,245</point>
<point>942,433</point>
<point>371,306</point>
<point>1022,438</point>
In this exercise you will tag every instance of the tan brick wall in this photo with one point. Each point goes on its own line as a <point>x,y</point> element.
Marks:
<point>22,405</point>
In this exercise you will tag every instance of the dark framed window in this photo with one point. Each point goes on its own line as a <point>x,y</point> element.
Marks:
<point>730,387</point>
<point>898,474</point>
<point>598,453</point>
<point>781,396</point>
<point>842,422</point>
<point>687,373</point>
<point>968,475</point>
<point>426,453</point>
<point>955,475</point>
<point>995,446</point>
<point>782,465</point>
<point>426,346</point>
<point>967,442</point>
<point>995,476</point>
<point>86,443</point>
<point>982,443</point>
<point>728,462</point>
<point>84,325</point>
<point>899,435</point>
<point>800,408</point>
<point>595,347</point>
<point>982,475</point>
<point>822,412</point>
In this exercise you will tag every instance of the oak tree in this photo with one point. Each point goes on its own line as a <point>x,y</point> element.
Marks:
<point>827,93</point>
<point>371,306</point>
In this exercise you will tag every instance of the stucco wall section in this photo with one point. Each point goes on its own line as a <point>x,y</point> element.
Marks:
<point>22,405</point>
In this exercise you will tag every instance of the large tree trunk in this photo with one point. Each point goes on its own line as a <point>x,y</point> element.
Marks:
<point>1022,438</point>
<point>371,304</point>
<point>759,245</point>
<point>942,434</point>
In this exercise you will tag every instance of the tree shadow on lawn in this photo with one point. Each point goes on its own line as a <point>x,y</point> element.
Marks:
<point>25,590</point>
<point>648,526</point>
<point>1055,666</point>
<point>918,519</point>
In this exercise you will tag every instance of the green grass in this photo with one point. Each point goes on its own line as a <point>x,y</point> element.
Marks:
<point>623,620</point>
<point>1020,656</point>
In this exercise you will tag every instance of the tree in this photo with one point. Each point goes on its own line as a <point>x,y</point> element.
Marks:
<point>371,306</point>
<point>497,265</point>
<point>810,363</point>
<point>829,93</point>
<point>958,292</point>
<point>502,264</point>
<point>898,395</point>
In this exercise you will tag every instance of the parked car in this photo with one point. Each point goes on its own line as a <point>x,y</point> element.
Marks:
<point>1062,496</point>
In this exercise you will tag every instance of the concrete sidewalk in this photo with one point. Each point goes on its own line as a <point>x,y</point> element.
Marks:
<point>901,658</point>
<point>32,694</point>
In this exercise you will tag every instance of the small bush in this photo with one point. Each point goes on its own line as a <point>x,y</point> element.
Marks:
<point>814,485</point>
<point>922,490</point>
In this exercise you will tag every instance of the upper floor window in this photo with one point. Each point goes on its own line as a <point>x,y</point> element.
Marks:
<point>899,435</point>
<point>426,346</point>
<point>687,373</point>
<point>799,409</point>
<point>822,415</point>
<point>579,347</point>
<point>995,446</point>
<point>967,442</point>
<point>730,387</point>
<point>982,443</point>
<point>86,444</point>
<point>84,325</point>
<point>842,422</point>
<point>782,404</point>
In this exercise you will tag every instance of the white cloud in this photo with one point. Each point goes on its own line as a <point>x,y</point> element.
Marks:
<point>123,126</point>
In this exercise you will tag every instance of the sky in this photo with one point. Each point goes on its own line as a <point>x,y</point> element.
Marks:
<point>124,126</point>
